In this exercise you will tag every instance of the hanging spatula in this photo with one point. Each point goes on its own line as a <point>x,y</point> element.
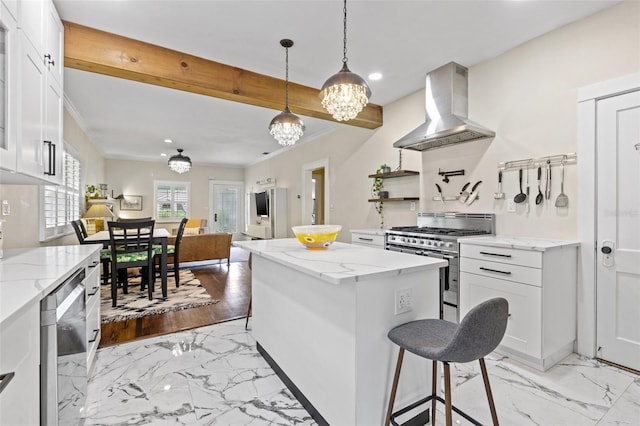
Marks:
<point>562,200</point>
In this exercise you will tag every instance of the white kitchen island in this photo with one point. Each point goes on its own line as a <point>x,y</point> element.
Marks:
<point>321,318</point>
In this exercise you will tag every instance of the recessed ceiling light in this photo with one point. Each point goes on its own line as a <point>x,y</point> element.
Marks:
<point>168,141</point>
<point>375,76</point>
<point>163,155</point>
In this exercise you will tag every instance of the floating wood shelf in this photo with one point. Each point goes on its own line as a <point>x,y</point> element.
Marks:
<point>380,200</point>
<point>395,174</point>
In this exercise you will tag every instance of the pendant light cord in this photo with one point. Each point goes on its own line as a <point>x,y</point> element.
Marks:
<point>286,84</point>
<point>344,48</point>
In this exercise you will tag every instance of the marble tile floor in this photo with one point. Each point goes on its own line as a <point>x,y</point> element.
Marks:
<point>214,376</point>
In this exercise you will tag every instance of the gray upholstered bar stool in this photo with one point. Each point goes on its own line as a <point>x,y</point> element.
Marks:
<point>479,333</point>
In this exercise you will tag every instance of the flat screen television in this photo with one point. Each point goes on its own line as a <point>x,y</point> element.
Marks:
<point>262,204</point>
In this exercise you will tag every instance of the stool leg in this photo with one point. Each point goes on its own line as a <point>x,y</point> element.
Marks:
<point>246,324</point>
<point>487,387</point>
<point>434,391</point>
<point>447,393</point>
<point>394,387</point>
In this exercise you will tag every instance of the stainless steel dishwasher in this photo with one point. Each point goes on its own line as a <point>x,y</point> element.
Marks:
<point>63,353</point>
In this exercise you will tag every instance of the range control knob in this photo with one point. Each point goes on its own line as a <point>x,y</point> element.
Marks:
<point>448,245</point>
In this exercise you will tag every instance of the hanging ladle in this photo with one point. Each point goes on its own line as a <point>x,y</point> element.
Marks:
<point>519,198</point>
<point>539,197</point>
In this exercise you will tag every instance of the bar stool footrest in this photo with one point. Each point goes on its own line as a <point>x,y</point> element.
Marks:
<point>413,421</point>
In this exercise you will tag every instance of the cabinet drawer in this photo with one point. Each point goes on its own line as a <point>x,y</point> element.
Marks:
<point>93,330</point>
<point>504,271</point>
<point>529,258</point>
<point>368,240</point>
<point>92,283</point>
<point>524,329</point>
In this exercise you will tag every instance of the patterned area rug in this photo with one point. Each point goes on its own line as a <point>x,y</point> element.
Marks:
<point>136,304</point>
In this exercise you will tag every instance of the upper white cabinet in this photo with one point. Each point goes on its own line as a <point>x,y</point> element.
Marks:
<point>53,54</point>
<point>32,22</point>
<point>8,78</point>
<point>32,149</point>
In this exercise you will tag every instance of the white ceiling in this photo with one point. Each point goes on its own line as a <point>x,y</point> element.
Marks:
<point>401,39</point>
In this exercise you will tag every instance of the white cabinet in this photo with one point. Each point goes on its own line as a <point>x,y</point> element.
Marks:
<point>20,346</point>
<point>9,73</point>
<point>34,148</point>
<point>92,298</point>
<point>368,237</point>
<point>538,279</point>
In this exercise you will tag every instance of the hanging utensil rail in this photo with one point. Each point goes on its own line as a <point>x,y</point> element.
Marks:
<point>529,163</point>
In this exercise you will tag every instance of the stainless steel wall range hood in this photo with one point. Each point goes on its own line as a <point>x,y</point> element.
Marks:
<point>446,110</point>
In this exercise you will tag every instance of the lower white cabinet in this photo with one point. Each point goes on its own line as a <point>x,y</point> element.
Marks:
<point>92,298</point>
<point>20,355</point>
<point>368,237</point>
<point>538,278</point>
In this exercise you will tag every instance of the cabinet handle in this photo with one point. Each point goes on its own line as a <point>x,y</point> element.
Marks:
<point>51,147</point>
<point>365,239</point>
<point>95,335</point>
<point>94,264</point>
<point>495,270</point>
<point>5,379</point>
<point>495,254</point>
<point>49,60</point>
<point>95,291</point>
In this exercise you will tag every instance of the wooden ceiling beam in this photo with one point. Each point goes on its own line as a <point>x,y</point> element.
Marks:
<point>100,52</point>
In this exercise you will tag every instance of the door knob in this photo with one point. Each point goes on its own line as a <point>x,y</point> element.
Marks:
<point>607,253</point>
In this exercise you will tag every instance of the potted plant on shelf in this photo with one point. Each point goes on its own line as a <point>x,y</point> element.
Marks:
<point>378,193</point>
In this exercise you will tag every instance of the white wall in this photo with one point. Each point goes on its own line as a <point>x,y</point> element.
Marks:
<point>528,95</point>
<point>137,177</point>
<point>21,228</point>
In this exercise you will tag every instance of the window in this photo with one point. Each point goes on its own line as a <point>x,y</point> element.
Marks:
<point>172,200</point>
<point>61,204</point>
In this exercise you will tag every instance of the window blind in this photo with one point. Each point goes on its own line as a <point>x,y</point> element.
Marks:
<point>61,204</point>
<point>172,200</point>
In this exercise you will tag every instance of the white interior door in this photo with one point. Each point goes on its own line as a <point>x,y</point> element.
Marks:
<point>618,230</point>
<point>227,207</point>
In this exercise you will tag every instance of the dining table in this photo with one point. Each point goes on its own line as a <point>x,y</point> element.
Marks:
<point>160,236</point>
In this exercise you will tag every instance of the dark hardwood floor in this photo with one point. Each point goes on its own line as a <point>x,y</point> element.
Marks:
<point>230,284</point>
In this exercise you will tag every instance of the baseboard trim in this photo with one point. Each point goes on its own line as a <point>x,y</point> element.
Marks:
<point>292,387</point>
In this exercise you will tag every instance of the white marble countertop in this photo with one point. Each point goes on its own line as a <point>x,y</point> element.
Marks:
<point>372,231</point>
<point>29,274</point>
<point>341,263</point>
<point>524,243</point>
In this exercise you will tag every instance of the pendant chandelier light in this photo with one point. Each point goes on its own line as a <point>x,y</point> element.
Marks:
<point>180,163</point>
<point>345,94</point>
<point>286,127</point>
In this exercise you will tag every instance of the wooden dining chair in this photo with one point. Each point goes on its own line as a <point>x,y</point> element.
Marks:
<point>173,250</point>
<point>105,253</point>
<point>134,219</point>
<point>131,246</point>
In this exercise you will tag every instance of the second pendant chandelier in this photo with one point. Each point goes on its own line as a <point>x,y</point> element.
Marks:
<point>286,127</point>
<point>345,93</point>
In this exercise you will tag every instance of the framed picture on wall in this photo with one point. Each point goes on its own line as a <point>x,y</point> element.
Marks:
<point>131,202</point>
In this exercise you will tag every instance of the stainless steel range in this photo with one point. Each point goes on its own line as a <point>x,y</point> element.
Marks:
<point>436,235</point>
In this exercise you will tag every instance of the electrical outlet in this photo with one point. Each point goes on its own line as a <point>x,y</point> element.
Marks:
<point>403,301</point>
<point>6,208</point>
<point>412,206</point>
<point>511,206</point>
